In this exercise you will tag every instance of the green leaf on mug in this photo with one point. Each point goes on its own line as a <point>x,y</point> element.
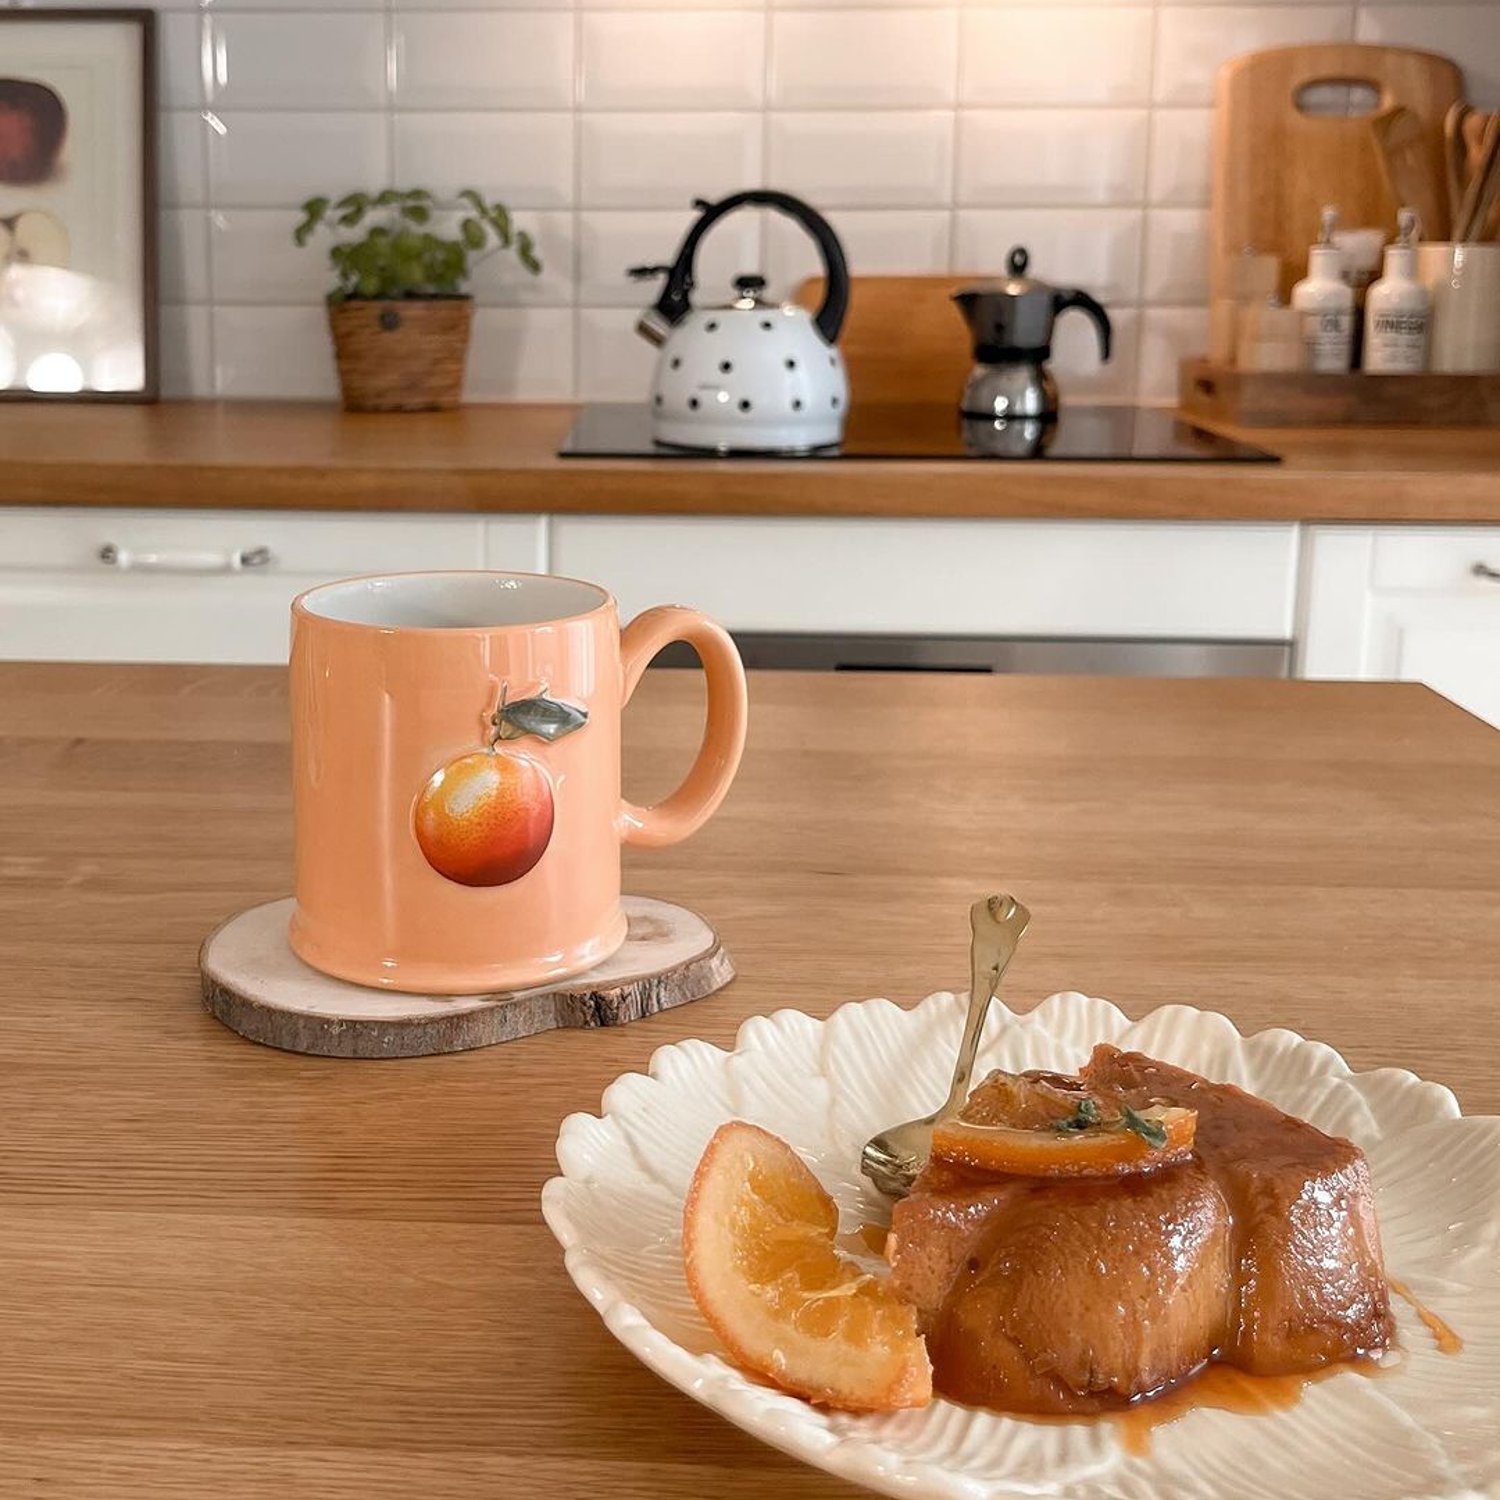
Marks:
<point>545,717</point>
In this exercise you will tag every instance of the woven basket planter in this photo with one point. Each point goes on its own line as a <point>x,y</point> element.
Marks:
<point>402,355</point>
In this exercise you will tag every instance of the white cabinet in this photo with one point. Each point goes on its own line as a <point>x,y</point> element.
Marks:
<point>114,585</point>
<point>211,586</point>
<point>1418,604</point>
<point>1202,581</point>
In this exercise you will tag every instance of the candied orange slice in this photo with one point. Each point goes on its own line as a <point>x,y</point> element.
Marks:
<point>1048,1125</point>
<point>758,1240</point>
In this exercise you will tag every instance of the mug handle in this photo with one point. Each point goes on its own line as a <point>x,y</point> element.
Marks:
<point>703,789</point>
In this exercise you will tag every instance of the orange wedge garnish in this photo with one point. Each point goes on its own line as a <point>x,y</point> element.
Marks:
<point>1049,1126</point>
<point>758,1241</point>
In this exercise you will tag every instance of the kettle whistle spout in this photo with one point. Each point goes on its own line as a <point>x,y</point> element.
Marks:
<point>653,327</point>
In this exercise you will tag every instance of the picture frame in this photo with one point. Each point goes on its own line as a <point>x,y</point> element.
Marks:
<point>78,205</point>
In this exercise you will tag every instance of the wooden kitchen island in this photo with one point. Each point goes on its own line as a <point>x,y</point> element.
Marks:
<point>237,1273</point>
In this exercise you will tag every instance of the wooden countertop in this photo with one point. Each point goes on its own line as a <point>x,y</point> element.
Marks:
<point>502,458</point>
<point>252,1275</point>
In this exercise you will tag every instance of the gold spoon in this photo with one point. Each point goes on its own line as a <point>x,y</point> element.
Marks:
<point>892,1158</point>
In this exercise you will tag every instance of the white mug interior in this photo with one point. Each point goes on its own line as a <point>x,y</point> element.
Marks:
<point>453,600</point>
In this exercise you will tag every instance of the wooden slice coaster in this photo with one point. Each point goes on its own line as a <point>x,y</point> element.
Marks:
<point>256,985</point>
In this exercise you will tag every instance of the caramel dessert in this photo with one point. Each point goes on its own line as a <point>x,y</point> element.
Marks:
<point>1076,1245</point>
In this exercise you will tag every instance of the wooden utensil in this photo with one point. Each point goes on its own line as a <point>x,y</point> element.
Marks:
<point>1455,156</point>
<point>1483,225</point>
<point>1405,149</point>
<point>1274,166</point>
<point>1484,163</point>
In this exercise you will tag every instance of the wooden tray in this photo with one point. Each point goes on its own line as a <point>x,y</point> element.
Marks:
<point>256,985</point>
<point>1250,398</point>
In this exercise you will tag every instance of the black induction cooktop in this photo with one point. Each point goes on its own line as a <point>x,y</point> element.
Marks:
<point>1081,434</point>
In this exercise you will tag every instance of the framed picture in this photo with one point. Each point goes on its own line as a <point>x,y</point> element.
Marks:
<point>77,205</point>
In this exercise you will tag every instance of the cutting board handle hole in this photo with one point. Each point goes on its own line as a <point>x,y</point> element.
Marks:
<point>1337,98</point>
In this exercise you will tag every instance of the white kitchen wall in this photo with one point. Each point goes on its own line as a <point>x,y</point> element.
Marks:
<point>935,136</point>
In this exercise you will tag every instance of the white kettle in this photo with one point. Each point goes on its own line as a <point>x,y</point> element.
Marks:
<point>751,375</point>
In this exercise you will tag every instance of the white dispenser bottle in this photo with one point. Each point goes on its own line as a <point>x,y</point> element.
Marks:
<point>1398,308</point>
<point>1325,303</point>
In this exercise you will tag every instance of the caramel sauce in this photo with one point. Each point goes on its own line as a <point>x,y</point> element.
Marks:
<point>1447,1340</point>
<point>1221,1387</point>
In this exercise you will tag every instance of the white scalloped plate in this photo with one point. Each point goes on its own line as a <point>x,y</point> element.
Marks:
<point>1429,1430</point>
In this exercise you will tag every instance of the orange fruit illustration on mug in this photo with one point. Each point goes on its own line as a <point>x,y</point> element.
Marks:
<point>485,818</point>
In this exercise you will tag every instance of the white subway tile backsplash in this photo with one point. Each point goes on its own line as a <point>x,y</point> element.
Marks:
<point>1168,336</point>
<point>863,58</point>
<point>1175,269</point>
<point>680,5</point>
<point>1097,249</point>
<point>934,135</point>
<point>509,59</point>
<point>664,59</point>
<point>1030,157</point>
<point>278,159</point>
<point>265,352</point>
<point>319,5</point>
<point>1044,54</point>
<point>663,160</point>
<point>1181,154</point>
<point>521,158</point>
<point>610,242</point>
<point>455,4</point>
<point>879,241</point>
<point>521,353</point>
<point>1081,374</point>
<point>1192,41</point>
<point>182,245</point>
<point>851,159</point>
<point>255,259</point>
<point>288,60</point>
<point>184,351</point>
<point>864,4</point>
<point>180,59</point>
<point>614,361</point>
<point>500,280</point>
<point>182,157</point>
<point>1469,33</point>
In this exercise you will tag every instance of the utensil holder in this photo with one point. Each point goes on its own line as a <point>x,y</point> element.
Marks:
<point>1464,280</point>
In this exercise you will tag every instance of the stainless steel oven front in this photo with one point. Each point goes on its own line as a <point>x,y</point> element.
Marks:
<point>1023,654</point>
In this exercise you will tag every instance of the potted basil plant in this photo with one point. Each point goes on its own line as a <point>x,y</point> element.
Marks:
<point>398,310</point>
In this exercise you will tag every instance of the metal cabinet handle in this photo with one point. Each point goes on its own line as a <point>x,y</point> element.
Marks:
<point>1484,570</point>
<point>184,560</point>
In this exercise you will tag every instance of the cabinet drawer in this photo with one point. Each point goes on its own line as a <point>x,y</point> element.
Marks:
<point>949,577</point>
<point>1435,559</point>
<point>324,546</point>
<point>209,586</point>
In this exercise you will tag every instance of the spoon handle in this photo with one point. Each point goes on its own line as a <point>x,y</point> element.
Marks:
<point>997,924</point>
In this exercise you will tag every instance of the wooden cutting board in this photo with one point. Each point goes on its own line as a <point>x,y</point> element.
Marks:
<point>1274,167</point>
<point>903,339</point>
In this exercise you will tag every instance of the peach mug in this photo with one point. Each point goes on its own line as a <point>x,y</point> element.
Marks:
<point>456,774</point>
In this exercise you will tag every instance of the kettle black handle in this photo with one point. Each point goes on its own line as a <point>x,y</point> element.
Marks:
<point>674,303</point>
<point>1081,300</point>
